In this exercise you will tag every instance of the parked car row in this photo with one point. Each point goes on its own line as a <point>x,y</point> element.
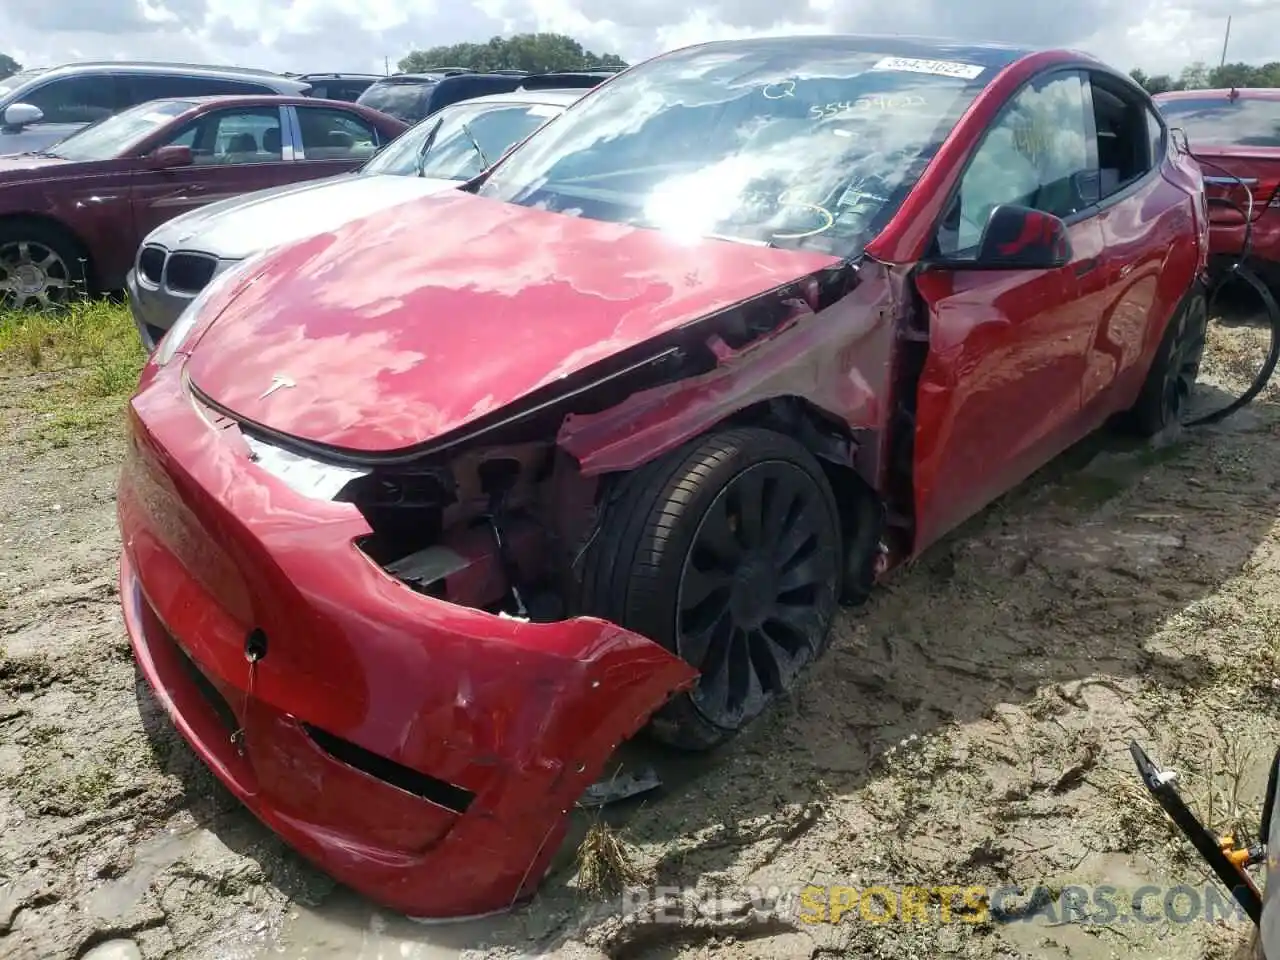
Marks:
<point>1235,134</point>
<point>456,143</point>
<point>429,507</point>
<point>74,215</point>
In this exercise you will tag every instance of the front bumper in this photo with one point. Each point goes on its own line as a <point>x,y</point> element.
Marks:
<point>423,753</point>
<point>144,309</point>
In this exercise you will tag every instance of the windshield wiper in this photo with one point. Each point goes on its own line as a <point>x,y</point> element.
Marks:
<point>426,145</point>
<point>475,143</point>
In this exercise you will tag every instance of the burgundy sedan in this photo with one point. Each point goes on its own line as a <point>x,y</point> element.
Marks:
<point>74,215</point>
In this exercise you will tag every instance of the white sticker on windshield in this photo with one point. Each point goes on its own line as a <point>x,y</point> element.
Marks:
<point>543,110</point>
<point>939,68</point>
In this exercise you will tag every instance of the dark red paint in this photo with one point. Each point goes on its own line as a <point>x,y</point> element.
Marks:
<point>402,343</point>
<point>107,207</point>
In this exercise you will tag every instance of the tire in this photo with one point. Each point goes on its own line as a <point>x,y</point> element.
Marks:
<point>648,559</point>
<point>41,266</point>
<point>1165,392</point>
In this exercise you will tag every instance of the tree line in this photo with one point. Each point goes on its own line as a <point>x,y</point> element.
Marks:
<point>1199,76</point>
<point>8,66</point>
<point>534,52</point>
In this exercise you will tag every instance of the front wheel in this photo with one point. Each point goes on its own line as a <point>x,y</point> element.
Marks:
<point>727,552</point>
<point>40,267</point>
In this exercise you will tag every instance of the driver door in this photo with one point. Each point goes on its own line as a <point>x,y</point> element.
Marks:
<point>1001,389</point>
<point>235,151</point>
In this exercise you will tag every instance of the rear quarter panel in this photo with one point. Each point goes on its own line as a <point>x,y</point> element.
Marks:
<point>1157,244</point>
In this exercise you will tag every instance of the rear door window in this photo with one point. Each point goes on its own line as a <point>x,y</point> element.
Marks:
<point>335,135</point>
<point>79,99</point>
<point>1221,121</point>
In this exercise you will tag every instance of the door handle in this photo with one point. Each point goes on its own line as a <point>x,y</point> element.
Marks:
<point>1086,266</point>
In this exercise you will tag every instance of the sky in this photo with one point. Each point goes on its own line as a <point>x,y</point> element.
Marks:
<point>361,35</point>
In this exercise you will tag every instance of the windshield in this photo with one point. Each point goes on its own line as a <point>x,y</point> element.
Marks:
<point>469,138</point>
<point>1243,122</point>
<point>404,101</point>
<point>111,137</point>
<point>793,144</point>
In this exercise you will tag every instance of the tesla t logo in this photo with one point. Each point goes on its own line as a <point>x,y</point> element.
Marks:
<point>277,383</point>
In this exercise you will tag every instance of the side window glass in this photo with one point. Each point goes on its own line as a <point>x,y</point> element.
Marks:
<point>335,135</point>
<point>164,87</point>
<point>1036,155</point>
<point>1125,130</point>
<point>82,99</point>
<point>1155,137</point>
<point>249,135</point>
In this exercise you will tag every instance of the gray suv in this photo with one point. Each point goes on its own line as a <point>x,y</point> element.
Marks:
<point>40,107</point>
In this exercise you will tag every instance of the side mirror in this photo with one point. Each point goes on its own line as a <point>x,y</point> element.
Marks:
<point>174,155</point>
<point>21,114</point>
<point>1019,238</point>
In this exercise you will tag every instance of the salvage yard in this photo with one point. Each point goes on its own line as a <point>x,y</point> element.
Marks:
<point>968,727</point>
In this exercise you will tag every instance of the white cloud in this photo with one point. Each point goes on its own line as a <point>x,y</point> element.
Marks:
<point>306,35</point>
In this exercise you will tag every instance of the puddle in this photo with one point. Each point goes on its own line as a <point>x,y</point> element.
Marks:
<point>115,898</point>
<point>347,927</point>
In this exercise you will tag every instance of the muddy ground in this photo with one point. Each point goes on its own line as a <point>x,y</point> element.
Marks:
<point>968,727</point>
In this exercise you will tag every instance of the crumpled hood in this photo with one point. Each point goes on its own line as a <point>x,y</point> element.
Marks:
<point>405,325</point>
<point>238,227</point>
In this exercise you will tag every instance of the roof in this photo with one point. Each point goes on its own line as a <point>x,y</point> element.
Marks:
<point>280,82</point>
<point>550,97</point>
<point>1224,93</point>
<point>338,76</point>
<point>992,55</point>
<point>284,100</point>
<point>167,66</point>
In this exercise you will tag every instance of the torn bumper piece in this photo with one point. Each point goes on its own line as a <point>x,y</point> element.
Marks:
<point>422,753</point>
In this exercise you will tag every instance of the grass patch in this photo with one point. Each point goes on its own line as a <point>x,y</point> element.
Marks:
<point>96,344</point>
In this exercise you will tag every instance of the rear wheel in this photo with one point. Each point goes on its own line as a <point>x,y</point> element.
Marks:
<point>727,552</point>
<point>1167,390</point>
<point>41,267</point>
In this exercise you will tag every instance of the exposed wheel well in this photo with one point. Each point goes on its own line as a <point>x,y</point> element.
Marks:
<point>55,225</point>
<point>862,510</point>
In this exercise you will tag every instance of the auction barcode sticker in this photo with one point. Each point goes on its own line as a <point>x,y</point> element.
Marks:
<point>939,68</point>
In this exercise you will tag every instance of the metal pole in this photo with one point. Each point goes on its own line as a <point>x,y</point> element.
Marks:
<point>1225,41</point>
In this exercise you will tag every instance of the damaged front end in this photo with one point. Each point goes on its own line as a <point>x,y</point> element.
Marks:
<point>384,655</point>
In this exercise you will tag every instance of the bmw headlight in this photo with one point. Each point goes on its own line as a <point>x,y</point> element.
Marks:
<point>172,341</point>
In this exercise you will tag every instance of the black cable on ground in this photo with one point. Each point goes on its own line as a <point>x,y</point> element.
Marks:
<point>1240,273</point>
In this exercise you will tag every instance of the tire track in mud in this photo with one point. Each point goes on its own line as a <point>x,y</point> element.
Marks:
<point>968,726</point>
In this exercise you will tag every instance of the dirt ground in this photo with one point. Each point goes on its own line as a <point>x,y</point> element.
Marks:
<point>968,727</point>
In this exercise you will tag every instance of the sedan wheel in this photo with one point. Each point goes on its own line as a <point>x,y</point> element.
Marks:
<point>35,274</point>
<point>727,552</point>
